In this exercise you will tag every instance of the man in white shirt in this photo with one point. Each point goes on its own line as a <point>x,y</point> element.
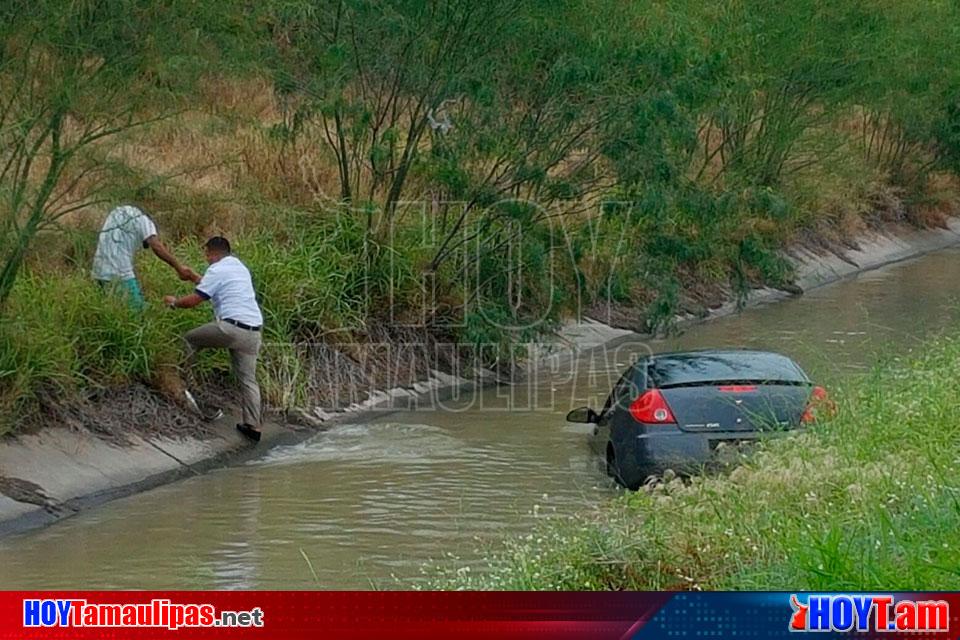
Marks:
<point>237,324</point>
<point>126,230</point>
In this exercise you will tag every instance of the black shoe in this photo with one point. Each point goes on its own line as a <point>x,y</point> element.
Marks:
<point>250,432</point>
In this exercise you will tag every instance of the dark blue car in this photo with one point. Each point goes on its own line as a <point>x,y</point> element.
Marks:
<point>671,410</point>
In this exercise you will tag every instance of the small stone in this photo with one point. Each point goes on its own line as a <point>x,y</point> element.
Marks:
<point>738,475</point>
<point>302,418</point>
<point>322,415</point>
<point>424,387</point>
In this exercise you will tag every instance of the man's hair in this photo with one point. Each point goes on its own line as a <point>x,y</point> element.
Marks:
<point>218,244</point>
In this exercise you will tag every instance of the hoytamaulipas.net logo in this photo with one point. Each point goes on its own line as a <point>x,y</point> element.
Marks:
<point>860,612</point>
<point>159,612</point>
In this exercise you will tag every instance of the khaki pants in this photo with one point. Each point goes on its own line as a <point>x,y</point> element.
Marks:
<point>244,346</point>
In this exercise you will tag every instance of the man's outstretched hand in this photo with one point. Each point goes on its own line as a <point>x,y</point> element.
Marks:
<point>188,275</point>
<point>188,301</point>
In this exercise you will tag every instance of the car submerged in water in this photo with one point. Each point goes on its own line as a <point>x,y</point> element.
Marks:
<point>673,410</point>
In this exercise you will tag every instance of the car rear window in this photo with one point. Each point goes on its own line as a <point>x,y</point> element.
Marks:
<point>734,366</point>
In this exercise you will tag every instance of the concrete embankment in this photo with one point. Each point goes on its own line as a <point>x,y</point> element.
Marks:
<point>819,267</point>
<point>57,471</point>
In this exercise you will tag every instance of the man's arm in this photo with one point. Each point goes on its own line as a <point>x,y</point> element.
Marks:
<point>161,251</point>
<point>186,302</point>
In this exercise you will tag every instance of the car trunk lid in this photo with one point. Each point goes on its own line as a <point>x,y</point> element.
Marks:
<point>740,406</point>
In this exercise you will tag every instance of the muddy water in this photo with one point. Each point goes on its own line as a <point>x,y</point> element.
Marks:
<point>368,505</point>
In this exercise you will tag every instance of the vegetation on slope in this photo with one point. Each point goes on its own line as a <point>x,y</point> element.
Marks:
<point>471,170</point>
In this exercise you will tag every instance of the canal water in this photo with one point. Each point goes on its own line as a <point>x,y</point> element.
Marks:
<point>370,505</point>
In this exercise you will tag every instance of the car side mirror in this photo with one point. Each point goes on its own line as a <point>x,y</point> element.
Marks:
<point>584,415</point>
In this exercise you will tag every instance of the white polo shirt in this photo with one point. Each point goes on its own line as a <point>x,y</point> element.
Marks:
<point>124,232</point>
<point>228,286</point>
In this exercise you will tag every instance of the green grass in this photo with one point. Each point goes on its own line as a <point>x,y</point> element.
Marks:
<point>867,500</point>
<point>319,278</point>
<point>716,153</point>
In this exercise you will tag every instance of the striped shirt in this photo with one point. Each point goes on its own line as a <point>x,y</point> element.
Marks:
<point>125,230</point>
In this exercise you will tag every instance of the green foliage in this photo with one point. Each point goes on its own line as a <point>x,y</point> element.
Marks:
<point>328,281</point>
<point>703,116</point>
<point>72,75</point>
<point>567,153</point>
<point>909,90</point>
<point>375,73</point>
<point>785,73</point>
<point>64,334</point>
<point>948,134</point>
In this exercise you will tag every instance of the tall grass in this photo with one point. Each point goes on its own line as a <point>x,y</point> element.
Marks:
<point>867,500</point>
<point>64,335</point>
<point>670,150</point>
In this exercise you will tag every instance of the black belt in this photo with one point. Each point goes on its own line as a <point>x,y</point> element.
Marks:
<point>241,325</point>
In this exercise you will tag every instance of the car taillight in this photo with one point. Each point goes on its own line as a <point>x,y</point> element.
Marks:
<point>819,406</point>
<point>737,388</point>
<point>651,408</point>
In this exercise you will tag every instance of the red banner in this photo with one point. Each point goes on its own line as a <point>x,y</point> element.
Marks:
<point>293,615</point>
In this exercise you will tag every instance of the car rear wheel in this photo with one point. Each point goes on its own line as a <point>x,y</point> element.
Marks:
<point>613,469</point>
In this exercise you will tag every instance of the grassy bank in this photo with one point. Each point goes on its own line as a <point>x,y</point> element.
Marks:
<point>388,182</point>
<point>868,500</point>
<point>337,323</point>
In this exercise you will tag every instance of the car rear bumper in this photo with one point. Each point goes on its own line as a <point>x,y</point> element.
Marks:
<point>672,448</point>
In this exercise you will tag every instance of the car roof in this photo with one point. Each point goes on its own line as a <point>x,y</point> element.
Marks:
<point>691,367</point>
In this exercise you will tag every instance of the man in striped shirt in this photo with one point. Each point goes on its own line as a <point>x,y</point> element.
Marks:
<point>126,230</point>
